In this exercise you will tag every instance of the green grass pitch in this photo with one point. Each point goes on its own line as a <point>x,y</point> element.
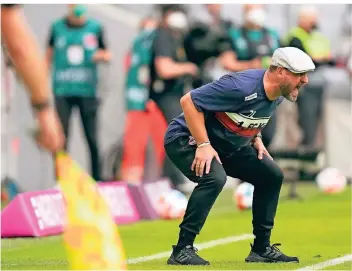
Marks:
<point>316,230</point>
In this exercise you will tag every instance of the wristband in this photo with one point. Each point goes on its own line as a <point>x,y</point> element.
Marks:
<point>258,135</point>
<point>203,144</point>
<point>40,106</point>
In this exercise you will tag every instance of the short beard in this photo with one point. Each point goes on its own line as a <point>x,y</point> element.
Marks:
<point>285,92</point>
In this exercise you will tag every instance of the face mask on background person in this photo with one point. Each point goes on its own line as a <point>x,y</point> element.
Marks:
<point>256,16</point>
<point>149,28</point>
<point>177,21</point>
<point>315,26</point>
<point>79,10</point>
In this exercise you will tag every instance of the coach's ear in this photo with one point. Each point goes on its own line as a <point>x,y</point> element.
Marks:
<point>280,71</point>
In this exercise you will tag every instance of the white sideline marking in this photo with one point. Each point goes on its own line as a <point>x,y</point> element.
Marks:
<point>117,14</point>
<point>332,262</point>
<point>205,245</point>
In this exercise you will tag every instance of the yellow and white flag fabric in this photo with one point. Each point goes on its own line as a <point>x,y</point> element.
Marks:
<point>90,234</point>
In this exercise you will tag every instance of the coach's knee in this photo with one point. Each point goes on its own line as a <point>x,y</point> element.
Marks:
<point>271,174</point>
<point>277,176</point>
<point>217,176</point>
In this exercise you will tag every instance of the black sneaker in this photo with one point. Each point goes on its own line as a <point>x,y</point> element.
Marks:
<point>271,255</point>
<point>187,256</point>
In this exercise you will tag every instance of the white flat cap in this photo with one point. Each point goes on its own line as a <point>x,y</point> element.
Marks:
<point>293,59</point>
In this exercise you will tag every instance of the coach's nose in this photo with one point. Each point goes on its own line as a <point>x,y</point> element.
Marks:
<point>304,79</point>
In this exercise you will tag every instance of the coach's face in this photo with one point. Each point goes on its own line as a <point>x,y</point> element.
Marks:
<point>291,83</point>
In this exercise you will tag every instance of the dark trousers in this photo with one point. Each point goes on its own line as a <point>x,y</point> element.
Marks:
<point>264,174</point>
<point>88,108</point>
<point>309,104</point>
<point>169,104</point>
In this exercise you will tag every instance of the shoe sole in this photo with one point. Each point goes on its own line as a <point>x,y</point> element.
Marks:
<point>258,259</point>
<point>171,261</point>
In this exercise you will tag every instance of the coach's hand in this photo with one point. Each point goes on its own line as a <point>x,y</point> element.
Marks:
<point>259,145</point>
<point>204,157</point>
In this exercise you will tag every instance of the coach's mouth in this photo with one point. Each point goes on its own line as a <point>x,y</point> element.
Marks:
<point>296,89</point>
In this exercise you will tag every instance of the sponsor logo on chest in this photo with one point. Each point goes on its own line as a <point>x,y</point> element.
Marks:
<point>243,125</point>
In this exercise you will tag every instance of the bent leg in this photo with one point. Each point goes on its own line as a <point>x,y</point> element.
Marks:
<point>266,178</point>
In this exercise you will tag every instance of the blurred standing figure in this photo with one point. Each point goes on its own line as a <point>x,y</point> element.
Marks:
<point>75,47</point>
<point>169,65</point>
<point>207,43</point>
<point>30,65</point>
<point>344,53</point>
<point>309,39</point>
<point>253,44</point>
<point>170,70</point>
<point>143,119</point>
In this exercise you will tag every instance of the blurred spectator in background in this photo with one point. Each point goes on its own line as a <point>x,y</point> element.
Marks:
<point>240,59</point>
<point>25,54</point>
<point>309,39</point>
<point>144,119</point>
<point>75,46</point>
<point>208,43</point>
<point>344,53</point>
<point>169,70</point>
<point>253,44</point>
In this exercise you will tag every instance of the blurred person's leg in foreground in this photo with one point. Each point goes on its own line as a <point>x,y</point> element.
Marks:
<point>30,65</point>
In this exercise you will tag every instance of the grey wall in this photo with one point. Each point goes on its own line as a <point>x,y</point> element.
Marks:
<point>35,169</point>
